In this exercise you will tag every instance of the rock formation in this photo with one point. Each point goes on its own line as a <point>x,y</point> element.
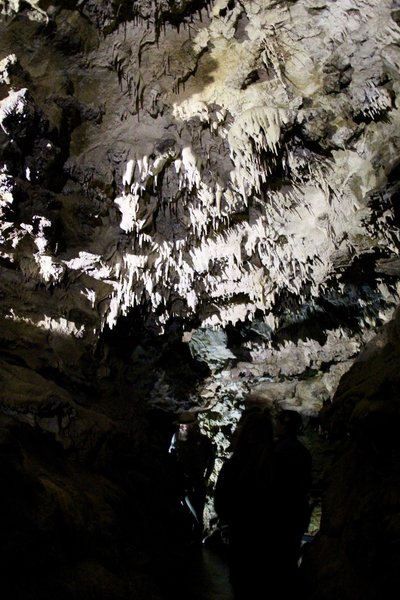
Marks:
<point>198,205</point>
<point>356,552</point>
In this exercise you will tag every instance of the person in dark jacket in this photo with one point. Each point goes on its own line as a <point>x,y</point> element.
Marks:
<point>292,478</point>
<point>195,455</point>
<point>242,501</point>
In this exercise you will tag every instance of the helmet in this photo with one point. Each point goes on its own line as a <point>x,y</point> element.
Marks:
<point>187,417</point>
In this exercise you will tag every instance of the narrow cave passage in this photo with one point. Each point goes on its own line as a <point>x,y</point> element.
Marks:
<point>200,570</point>
<point>199,201</point>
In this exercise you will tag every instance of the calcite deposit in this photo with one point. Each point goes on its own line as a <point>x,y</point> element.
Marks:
<point>198,209</point>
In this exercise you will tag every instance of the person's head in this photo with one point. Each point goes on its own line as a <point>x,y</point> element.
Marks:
<point>254,431</point>
<point>288,423</point>
<point>187,424</point>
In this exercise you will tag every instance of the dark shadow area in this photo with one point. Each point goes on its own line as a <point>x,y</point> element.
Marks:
<point>198,573</point>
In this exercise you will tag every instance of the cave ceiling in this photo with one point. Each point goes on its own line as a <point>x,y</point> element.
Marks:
<point>227,170</point>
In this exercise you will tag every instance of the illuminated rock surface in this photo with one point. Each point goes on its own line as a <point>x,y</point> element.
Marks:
<point>198,202</point>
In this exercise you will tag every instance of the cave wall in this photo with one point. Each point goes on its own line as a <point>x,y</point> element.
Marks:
<point>223,174</point>
<point>198,206</point>
<point>219,165</point>
<point>356,551</point>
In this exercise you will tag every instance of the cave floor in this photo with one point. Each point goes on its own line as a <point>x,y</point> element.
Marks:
<point>202,574</point>
<point>211,577</point>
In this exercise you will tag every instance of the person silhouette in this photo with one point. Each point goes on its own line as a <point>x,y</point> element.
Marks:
<point>195,456</point>
<point>292,478</point>
<point>242,502</point>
